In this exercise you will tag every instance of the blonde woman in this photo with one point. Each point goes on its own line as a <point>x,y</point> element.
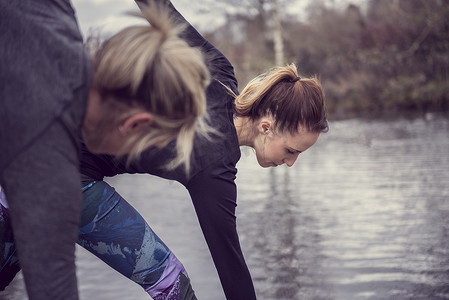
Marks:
<point>144,87</point>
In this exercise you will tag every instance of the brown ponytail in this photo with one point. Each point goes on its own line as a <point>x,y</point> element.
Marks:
<point>292,101</point>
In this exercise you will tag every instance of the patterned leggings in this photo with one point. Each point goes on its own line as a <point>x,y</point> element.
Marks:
<point>114,231</point>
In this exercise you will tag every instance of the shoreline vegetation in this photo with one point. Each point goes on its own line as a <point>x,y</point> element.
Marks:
<point>387,57</point>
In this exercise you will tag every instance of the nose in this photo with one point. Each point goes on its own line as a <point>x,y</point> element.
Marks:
<point>291,160</point>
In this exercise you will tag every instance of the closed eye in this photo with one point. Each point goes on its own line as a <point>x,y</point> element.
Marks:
<point>289,151</point>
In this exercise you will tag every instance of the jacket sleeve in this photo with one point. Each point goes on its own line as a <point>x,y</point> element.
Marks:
<point>214,198</point>
<point>218,65</point>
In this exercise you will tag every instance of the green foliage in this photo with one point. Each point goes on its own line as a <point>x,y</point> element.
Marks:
<point>391,55</point>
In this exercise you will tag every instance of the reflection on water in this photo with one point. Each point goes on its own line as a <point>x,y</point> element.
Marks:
<point>364,214</point>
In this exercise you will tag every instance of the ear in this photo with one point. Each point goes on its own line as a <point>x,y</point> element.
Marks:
<point>264,126</point>
<point>136,122</point>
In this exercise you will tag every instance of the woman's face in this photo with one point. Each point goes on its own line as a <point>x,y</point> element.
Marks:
<point>274,149</point>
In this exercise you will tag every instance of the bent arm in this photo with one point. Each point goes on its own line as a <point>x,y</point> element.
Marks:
<point>214,198</point>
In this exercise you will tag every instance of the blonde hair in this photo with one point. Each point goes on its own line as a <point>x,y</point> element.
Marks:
<point>152,68</point>
<point>291,100</point>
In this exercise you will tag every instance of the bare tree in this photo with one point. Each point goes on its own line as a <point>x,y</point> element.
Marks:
<point>266,13</point>
<point>277,35</point>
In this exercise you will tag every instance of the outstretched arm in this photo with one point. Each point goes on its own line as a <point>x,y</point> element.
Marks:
<point>214,198</point>
<point>218,65</point>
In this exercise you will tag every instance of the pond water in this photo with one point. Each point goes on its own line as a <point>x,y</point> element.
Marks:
<point>364,214</point>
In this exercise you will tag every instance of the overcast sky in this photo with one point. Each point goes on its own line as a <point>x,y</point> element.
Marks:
<point>108,15</point>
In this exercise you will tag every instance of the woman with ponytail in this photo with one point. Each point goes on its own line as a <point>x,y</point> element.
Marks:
<point>144,87</point>
<point>278,114</point>
<point>150,85</point>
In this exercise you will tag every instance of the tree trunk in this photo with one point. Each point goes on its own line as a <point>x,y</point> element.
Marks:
<point>277,36</point>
